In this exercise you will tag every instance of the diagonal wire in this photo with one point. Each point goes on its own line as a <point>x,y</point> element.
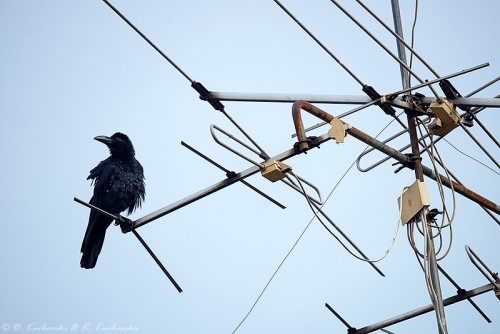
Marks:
<point>332,54</point>
<point>399,38</point>
<point>289,252</point>
<point>301,235</point>
<point>382,45</point>
<point>147,40</point>
<point>479,144</point>
<point>179,70</point>
<point>470,157</point>
<point>319,42</point>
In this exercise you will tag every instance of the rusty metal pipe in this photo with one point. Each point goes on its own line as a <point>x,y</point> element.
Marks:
<point>393,153</point>
<point>297,120</point>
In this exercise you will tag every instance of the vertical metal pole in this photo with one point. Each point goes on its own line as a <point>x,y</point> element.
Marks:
<point>401,49</point>
<point>412,129</point>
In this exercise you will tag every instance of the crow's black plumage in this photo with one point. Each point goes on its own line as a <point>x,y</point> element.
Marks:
<point>118,186</point>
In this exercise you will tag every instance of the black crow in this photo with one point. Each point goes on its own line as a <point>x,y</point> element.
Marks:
<point>118,186</point>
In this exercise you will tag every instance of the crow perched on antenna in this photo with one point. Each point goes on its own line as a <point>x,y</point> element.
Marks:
<point>118,186</point>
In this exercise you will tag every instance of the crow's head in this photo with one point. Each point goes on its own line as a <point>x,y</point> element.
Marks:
<point>119,144</point>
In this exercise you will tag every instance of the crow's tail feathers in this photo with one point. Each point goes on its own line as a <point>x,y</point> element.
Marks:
<point>91,251</point>
<point>93,241</point>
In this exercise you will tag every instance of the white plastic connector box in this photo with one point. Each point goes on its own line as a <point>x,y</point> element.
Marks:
<point>275,170</point>
<point>447,117</point>
<point>413,199</point>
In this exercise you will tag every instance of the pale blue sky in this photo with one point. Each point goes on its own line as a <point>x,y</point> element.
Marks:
<point>71,70</point>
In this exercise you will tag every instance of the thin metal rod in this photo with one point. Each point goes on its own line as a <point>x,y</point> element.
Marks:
<point>471,114</point>
<point>147,40</point>
<point>386,331</point>
<point>460,291</point>
<point>426,309</point>
<point>162,267</point>
<point>263,153</point>
<point>403,64</point>
<point>173,64</point>
<point>319,42</point>
<point>488,133</point>
<point>214,127</point>
<point>399,37</point>
<point>338,316</point>
<point>430,82</point>
<point>95,208</point>
<point>403,159</point>
<point>479,144</point>
<point>229,173</point>
<point>486,85</point>
<point>217,186</point>
<point>494,276</point>
<point>118,218</point>
<point>292,185</point>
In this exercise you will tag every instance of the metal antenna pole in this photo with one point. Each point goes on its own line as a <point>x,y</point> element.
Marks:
<point>433,281</point>
<point>401,50</point>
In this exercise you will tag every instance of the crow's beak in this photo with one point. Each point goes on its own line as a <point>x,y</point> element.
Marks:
<point>104,139</point>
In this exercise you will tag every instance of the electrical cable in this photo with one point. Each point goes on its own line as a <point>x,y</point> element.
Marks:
<point>433,293</point>
<point>426,228</point>
<point>303,232</point>
<point>413,37</point>
<point>338,239</point>
<point>430,152</point>
<point>445,212</point>
<point>289,252</point>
